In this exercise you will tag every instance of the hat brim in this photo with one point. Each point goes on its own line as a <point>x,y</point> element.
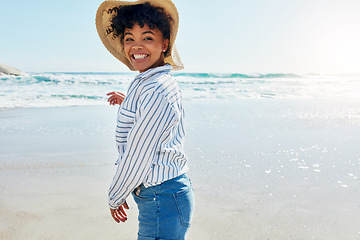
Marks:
<point>114,45</point>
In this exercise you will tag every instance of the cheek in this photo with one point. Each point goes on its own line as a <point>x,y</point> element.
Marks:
<point>126,51</point>
<point>158,48</point>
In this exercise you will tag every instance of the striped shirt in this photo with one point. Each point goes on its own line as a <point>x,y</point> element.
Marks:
<point>149,134</point>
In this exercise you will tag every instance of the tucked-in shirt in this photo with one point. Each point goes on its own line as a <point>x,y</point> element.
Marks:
<point>149,134</point>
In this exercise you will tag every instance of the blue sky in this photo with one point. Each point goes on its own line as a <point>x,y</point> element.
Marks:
<point>257,36</point>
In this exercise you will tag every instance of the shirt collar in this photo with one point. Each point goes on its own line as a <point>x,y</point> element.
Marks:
<point>147,74</point>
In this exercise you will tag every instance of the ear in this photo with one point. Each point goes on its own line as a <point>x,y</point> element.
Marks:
<point>165,45</point>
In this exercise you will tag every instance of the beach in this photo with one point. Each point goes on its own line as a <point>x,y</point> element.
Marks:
<point>261,169</point>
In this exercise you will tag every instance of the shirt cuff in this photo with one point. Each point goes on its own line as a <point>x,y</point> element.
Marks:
<point>117,205</point>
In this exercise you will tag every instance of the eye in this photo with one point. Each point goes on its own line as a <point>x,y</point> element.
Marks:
<point>128,39</point>
<point>148,39</point>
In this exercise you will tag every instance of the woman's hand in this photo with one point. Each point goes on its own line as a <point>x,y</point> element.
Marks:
<point>115,98</point>
<point>119,215</point>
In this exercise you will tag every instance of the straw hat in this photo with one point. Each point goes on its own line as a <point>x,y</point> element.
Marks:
<point>114,45</point>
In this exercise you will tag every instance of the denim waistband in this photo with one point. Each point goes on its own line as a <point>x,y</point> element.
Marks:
<point>170,181</point>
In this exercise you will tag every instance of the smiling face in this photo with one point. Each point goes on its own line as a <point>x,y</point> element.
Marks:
<point>144,47</point>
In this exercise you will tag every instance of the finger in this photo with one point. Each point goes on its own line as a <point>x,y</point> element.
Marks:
<point>110,93</point>
<point>122,211</point>
<point>121,216</point>
<point>111,100</point>
<point>125,205</point>
<point>117,216</point>
<point>114,215</point>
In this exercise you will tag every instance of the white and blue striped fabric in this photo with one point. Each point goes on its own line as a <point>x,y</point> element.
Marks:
<point>149,134</point>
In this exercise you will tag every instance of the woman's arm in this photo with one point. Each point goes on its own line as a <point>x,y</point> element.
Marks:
<point>153,118</point>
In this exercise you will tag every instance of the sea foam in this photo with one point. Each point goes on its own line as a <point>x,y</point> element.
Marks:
<point>68,89</point>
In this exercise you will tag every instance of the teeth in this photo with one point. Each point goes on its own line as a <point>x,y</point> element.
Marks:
<point>140,56</point>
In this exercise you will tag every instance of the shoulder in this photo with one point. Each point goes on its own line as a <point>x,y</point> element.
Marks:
<point>159,83</point>
<point>160,91</point>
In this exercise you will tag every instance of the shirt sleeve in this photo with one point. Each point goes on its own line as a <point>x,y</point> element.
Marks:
<point>154,116</point>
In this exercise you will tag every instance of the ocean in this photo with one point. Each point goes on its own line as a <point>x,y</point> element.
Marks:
<point>73,89</point>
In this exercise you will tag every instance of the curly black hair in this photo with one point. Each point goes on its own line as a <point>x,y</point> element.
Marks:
<point>127,16</point>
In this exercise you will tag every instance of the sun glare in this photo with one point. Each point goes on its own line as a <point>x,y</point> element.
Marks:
<point>336,35</point>
<point>340,49</point>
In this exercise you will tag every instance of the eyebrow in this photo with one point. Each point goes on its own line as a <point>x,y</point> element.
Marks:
<point>129,33</point>
<point>148,32</point>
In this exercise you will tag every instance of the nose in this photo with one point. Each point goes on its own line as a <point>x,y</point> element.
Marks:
<point>137,47</point>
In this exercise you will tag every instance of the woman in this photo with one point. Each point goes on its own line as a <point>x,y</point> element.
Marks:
<point>150,129</point>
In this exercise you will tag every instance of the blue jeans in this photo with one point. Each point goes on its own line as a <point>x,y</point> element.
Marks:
<point>165,210</point>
